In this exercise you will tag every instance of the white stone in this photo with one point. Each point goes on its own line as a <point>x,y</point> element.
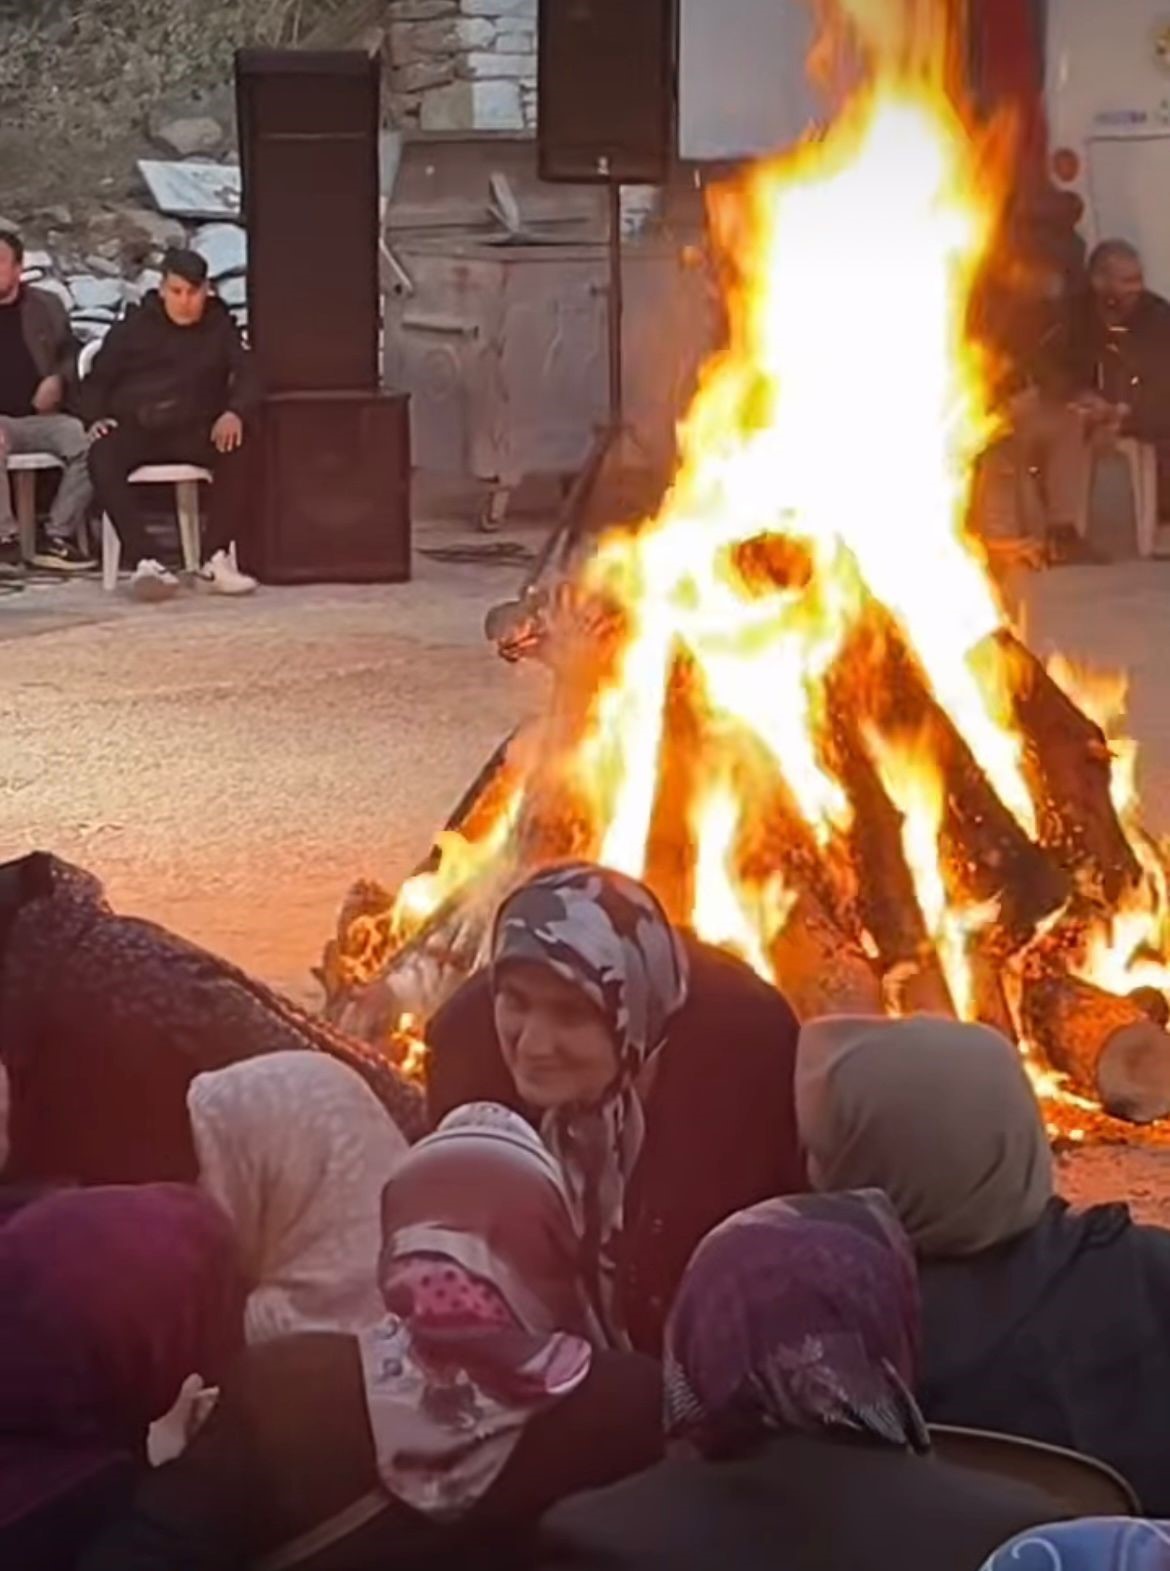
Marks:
<point>37,261</point>
<point>487,65</point>
<point>500,8</point>
<point>224,246</point>
<point>515,41</point>
<point>233,291</point>
<point>92,323</point>
<point>95,294</point>
<point>478,106</point>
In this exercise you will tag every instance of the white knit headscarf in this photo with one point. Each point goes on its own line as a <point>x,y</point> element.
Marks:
<point>297,1149</point>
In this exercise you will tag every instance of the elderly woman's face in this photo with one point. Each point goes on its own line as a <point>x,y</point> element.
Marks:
<point>556,1044</point>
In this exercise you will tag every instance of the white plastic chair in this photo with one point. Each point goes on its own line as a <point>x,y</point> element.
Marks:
<point>186,479</point>
<point>22,468</point>
<point>1143,476</point>
<point>1142,461</point>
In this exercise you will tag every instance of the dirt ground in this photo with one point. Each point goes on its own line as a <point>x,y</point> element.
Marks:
<point>230,767</point>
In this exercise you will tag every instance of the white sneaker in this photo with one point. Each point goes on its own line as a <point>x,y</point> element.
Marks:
<point>151,582</point>
<point>221,576</point>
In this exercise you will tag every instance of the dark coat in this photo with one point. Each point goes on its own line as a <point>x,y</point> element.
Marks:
<point>153,374</point>
<point>1127,365</point>
<point>45,324</point>
<point>106,1019</point>
<point>720,1117</point>
<point>798,1504</point>
<point>289,1449</point>
<point>1062,1336</point>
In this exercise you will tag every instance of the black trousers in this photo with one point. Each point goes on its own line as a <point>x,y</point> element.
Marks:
<point>113,459</point>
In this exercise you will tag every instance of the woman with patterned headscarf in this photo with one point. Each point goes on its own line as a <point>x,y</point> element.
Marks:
<point>791,1355</point>
<point>657,1069</point>
<point>1039,1320</point>
<point>439,1434</point>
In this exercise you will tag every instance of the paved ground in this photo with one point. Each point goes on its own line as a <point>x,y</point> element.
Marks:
<point>229,767</point>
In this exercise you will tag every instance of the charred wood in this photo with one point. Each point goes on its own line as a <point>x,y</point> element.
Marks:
<point>1107,1046</point>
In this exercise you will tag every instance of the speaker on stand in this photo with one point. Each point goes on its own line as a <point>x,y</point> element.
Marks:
<point>607,73</point>
<point>335,451</point>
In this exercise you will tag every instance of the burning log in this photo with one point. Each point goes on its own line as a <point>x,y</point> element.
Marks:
<point>1068,764</point>
<point>1152,1003</point>
<point>819,970</point>
<point>989,1002</point>
<point>887,904</point>
<point>1108,1046</point>
<point>985,855</point>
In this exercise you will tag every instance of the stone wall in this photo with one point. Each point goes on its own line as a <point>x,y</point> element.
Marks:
<point>455,65</point>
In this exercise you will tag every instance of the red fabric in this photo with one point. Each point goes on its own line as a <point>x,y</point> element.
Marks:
<point>437,1294</point>
<point>1011,56</point>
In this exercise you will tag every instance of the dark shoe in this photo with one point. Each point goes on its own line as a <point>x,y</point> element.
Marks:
<point>1067,548</point>
<point>63,556</point>
<point>11,565</point>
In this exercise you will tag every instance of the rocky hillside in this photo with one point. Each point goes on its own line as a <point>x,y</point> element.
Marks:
<point>86,86</point>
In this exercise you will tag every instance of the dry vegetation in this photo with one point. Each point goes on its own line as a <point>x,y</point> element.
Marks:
<point>79,79</point>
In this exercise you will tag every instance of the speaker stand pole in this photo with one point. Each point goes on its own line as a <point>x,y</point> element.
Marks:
<point>517,627</point>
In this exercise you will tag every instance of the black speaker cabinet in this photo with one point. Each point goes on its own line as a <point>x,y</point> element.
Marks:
<point>335,478</point>
<point>309,125</point>
<point>606,90</point>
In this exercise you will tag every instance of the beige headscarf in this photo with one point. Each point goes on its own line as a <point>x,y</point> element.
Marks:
<point>297,1149</point>
<point>938,1114</point>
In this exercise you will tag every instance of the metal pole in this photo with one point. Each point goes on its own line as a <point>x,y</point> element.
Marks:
<point>616,396</point>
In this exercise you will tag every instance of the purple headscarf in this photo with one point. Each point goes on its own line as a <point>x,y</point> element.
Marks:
<point>798,1314</point>
<point>109,1299</point>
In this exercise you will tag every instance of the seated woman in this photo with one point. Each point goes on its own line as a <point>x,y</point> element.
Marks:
<point>790,1355</point>
<point>1040,1321</point>
<point>105,1020</point>
<point>438,1436</point>
<point>657,1069</point>
<point>297,1150</point>
<point>109,1300</point>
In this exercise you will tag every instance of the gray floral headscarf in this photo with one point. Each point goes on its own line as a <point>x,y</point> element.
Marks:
<point>609,937</point>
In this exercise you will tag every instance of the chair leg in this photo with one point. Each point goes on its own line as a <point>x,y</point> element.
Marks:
<point>1146,498</point>
<point>111,554</point>
<point>25,487</point>
<point>187,496</point>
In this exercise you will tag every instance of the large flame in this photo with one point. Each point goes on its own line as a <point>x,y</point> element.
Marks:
<point>845,416</point>
<point>818,515</point>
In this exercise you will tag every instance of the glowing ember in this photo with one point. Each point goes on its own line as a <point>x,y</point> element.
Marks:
<point>808,591</point>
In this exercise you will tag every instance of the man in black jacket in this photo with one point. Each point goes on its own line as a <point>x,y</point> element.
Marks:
<point>1099,373</point>
<point>173,383</point>
<point>1117,348</point>
<point>36,364</point>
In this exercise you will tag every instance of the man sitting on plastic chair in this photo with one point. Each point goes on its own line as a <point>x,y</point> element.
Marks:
<point>1113,356</point>
<point>171,384</point>
<point>37,355</point>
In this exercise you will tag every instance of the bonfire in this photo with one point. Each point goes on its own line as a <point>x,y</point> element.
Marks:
<point>793,701</point>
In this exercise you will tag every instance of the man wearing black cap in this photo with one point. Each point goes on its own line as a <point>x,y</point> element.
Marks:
<point>173,383</point>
